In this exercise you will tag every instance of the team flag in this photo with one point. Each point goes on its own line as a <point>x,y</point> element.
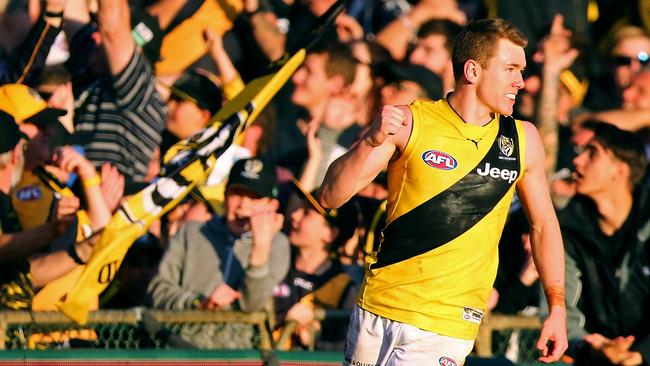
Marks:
<point>189,164</point>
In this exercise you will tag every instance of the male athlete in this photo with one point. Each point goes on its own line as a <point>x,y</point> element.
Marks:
<point>453,167</point>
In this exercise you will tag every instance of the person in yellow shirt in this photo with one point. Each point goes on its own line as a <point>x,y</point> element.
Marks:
<point>453,168</point>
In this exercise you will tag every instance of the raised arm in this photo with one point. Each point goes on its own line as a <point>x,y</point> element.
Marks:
<point>398,33</point>
<point>114,20</point>
<point>268,36</point>
<point>558,56</point>
<point>546,242</point>
<point>387,136</point>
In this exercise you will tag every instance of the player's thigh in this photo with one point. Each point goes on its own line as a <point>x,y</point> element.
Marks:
<point>370,339</point>
<point>421,347</point>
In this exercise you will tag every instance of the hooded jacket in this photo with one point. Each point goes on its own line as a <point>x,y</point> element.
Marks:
<point>608,278</point>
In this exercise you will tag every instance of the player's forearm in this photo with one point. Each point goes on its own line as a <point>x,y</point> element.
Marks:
<point>548,253</point>
<point>342,180</point>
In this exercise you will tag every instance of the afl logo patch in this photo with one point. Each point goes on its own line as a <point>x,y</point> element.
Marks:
<point>30,193</point>
<point>446,361</point>
<point>439,160</point>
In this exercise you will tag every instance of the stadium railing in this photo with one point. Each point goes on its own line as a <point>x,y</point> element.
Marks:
<point>146,329</point>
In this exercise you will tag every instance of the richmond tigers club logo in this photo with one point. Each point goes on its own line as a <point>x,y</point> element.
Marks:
<point>252,169</point>
<point>506,145</point>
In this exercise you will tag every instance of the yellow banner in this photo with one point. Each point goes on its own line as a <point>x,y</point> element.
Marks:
<point>192,159</point>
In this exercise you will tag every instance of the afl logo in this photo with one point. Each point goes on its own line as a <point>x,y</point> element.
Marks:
<point>439,160</point>
<point>446,361</point>
<point>30,193</point>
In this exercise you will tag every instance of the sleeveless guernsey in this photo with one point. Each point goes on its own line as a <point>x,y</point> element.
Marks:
<point>449,195</point>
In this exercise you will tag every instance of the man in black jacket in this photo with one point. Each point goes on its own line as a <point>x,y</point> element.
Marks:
<point>606,229</point>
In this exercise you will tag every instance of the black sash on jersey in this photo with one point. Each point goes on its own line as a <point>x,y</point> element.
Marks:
<point>449,214</point>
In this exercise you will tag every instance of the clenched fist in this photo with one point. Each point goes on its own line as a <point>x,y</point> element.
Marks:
<point>387,123</point>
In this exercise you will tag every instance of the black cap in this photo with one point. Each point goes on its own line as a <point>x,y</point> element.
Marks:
<point>345,218</point>
<point>254,175</point>
<point>10,134</point>
<point>198,87</point>
<point>426,79</point>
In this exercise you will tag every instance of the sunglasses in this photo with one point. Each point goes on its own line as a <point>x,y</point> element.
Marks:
<point>642,58</point>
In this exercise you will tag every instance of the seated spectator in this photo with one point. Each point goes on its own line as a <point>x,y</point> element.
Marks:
<point>20,276</point>
<point>397,35</point>
<point>628,52</point>
<point>635,113</point>
<point>605,234</point>
<point>435,40</point>
<point>404,83</point>
<point>230,262</point>
<point>316,279</point>
<point>33,198</point>
<point>321,86</point>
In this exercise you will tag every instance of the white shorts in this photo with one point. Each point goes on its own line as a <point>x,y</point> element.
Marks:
<point>373,340</point>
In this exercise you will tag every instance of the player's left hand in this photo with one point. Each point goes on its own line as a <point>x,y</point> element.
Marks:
<point>553,341</point>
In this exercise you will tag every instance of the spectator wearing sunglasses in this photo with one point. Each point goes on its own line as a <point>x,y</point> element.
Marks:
<point>630,52</point>
<point>634,115</point>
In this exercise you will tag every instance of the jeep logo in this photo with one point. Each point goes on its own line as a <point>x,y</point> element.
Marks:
<point>439,160</point>
<point>496,173</point>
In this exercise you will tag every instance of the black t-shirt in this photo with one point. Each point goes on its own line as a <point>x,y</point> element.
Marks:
<point>298,284</point>
<point>334,290</point>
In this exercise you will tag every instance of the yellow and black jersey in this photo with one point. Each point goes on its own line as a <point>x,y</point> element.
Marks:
<point>449,195</point>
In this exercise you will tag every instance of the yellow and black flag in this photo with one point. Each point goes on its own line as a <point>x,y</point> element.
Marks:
<point>190,162</point>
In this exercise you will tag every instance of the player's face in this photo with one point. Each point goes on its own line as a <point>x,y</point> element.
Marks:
<point>501,80</point>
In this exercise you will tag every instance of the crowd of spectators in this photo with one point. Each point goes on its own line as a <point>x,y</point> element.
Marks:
<point>93,93</point>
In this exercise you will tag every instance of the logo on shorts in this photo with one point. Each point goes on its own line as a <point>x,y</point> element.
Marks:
<point>31,193</point>
<point>446,361</point>
<point>472,315</point>
<point>439,160</point>
<point>359,363</point>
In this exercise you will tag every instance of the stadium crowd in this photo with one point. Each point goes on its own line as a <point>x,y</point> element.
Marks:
<point>94,93</point>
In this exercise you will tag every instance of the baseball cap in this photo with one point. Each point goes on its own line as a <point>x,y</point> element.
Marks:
<point>9,132</point>
<point>254,175</point>
<point>25,104</point>
<point>198,87</point>
<point>345,218</point>
<point>426,79</point>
